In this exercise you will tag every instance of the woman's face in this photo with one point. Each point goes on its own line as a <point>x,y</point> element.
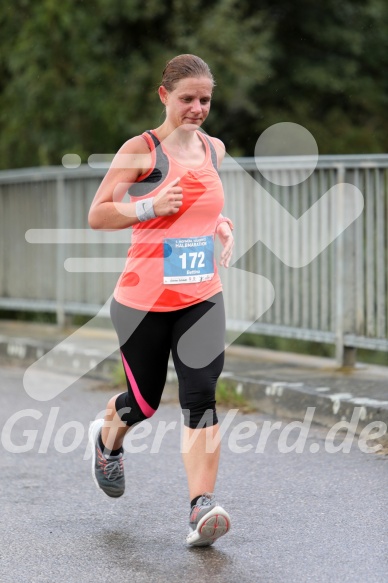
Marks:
<point>189,102</point>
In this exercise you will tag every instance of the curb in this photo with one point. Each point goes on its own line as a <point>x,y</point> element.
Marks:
<point>291,401</point>
<point>18,351</point>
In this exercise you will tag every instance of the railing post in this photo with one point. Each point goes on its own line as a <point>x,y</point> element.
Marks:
<point>60,255</point>
<point>345,280</point>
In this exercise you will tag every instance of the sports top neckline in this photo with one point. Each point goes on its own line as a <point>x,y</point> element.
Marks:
<point>207,152</point>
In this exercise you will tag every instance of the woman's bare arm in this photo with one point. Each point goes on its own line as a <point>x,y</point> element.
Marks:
<point>108,212</point>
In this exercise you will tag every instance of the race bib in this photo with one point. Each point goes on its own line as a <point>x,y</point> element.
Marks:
<point>188,260</point>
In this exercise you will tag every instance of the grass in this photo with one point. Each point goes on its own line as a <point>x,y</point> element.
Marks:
<point>228,396</point>
<point>308,347</point>
<point>226,392</point>
<point>118,375</point>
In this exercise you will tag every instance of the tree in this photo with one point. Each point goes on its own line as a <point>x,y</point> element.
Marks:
<point>76,77</point>
<point>80,80</point>
<point>329,72</point>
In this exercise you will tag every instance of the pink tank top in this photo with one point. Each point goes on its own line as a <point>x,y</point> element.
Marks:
<point>171,263</point>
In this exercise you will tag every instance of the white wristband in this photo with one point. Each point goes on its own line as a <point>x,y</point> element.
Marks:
<point>145,210</point>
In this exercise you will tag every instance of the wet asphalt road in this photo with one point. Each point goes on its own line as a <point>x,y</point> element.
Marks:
<point>296,517</point>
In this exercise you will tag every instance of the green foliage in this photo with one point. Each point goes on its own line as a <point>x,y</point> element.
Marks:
<point>27,316</point>
<point>307,347</point>
<point>237,46</point>
<point>80,77</point>
<point>286,344</point>
<point>71,84</point>
<point>118,376</point>
<point>227,396</point>
<point>329,72</point>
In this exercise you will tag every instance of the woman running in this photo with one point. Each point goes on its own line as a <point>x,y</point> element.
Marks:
<point>169,296</point>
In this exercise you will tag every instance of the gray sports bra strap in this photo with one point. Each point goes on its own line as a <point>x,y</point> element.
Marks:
<point>153,137</point>
<point>212,151</point>
<point>158,174</point>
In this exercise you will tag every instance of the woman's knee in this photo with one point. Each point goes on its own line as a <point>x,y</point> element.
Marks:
<point>130,411</point>
<point>111,409</point>
<point>199,407</point>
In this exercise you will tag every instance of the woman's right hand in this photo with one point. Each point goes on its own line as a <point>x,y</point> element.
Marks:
<point>169,200</point>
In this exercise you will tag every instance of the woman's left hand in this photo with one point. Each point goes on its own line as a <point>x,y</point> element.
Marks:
<point>225,235</point>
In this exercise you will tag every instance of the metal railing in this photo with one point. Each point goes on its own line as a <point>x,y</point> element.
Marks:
<point>51,261</point>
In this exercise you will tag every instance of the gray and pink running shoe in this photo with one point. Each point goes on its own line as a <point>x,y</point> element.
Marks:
<point>208,521</point>
<point>107,471</point>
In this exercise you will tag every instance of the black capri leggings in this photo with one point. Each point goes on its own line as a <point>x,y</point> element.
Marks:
<point>196,337</point>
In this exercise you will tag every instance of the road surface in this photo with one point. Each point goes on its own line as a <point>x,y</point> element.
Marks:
<point>315,516</point>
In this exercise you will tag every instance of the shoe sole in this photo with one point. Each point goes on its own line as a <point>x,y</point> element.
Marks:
<point>212,526</point>
<point>94,429</point>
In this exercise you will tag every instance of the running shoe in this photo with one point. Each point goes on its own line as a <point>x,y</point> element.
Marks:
<point>107,471</point>
<point>208,521</point>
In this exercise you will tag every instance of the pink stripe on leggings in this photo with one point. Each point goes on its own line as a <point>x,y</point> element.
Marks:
<point>144,406</point>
